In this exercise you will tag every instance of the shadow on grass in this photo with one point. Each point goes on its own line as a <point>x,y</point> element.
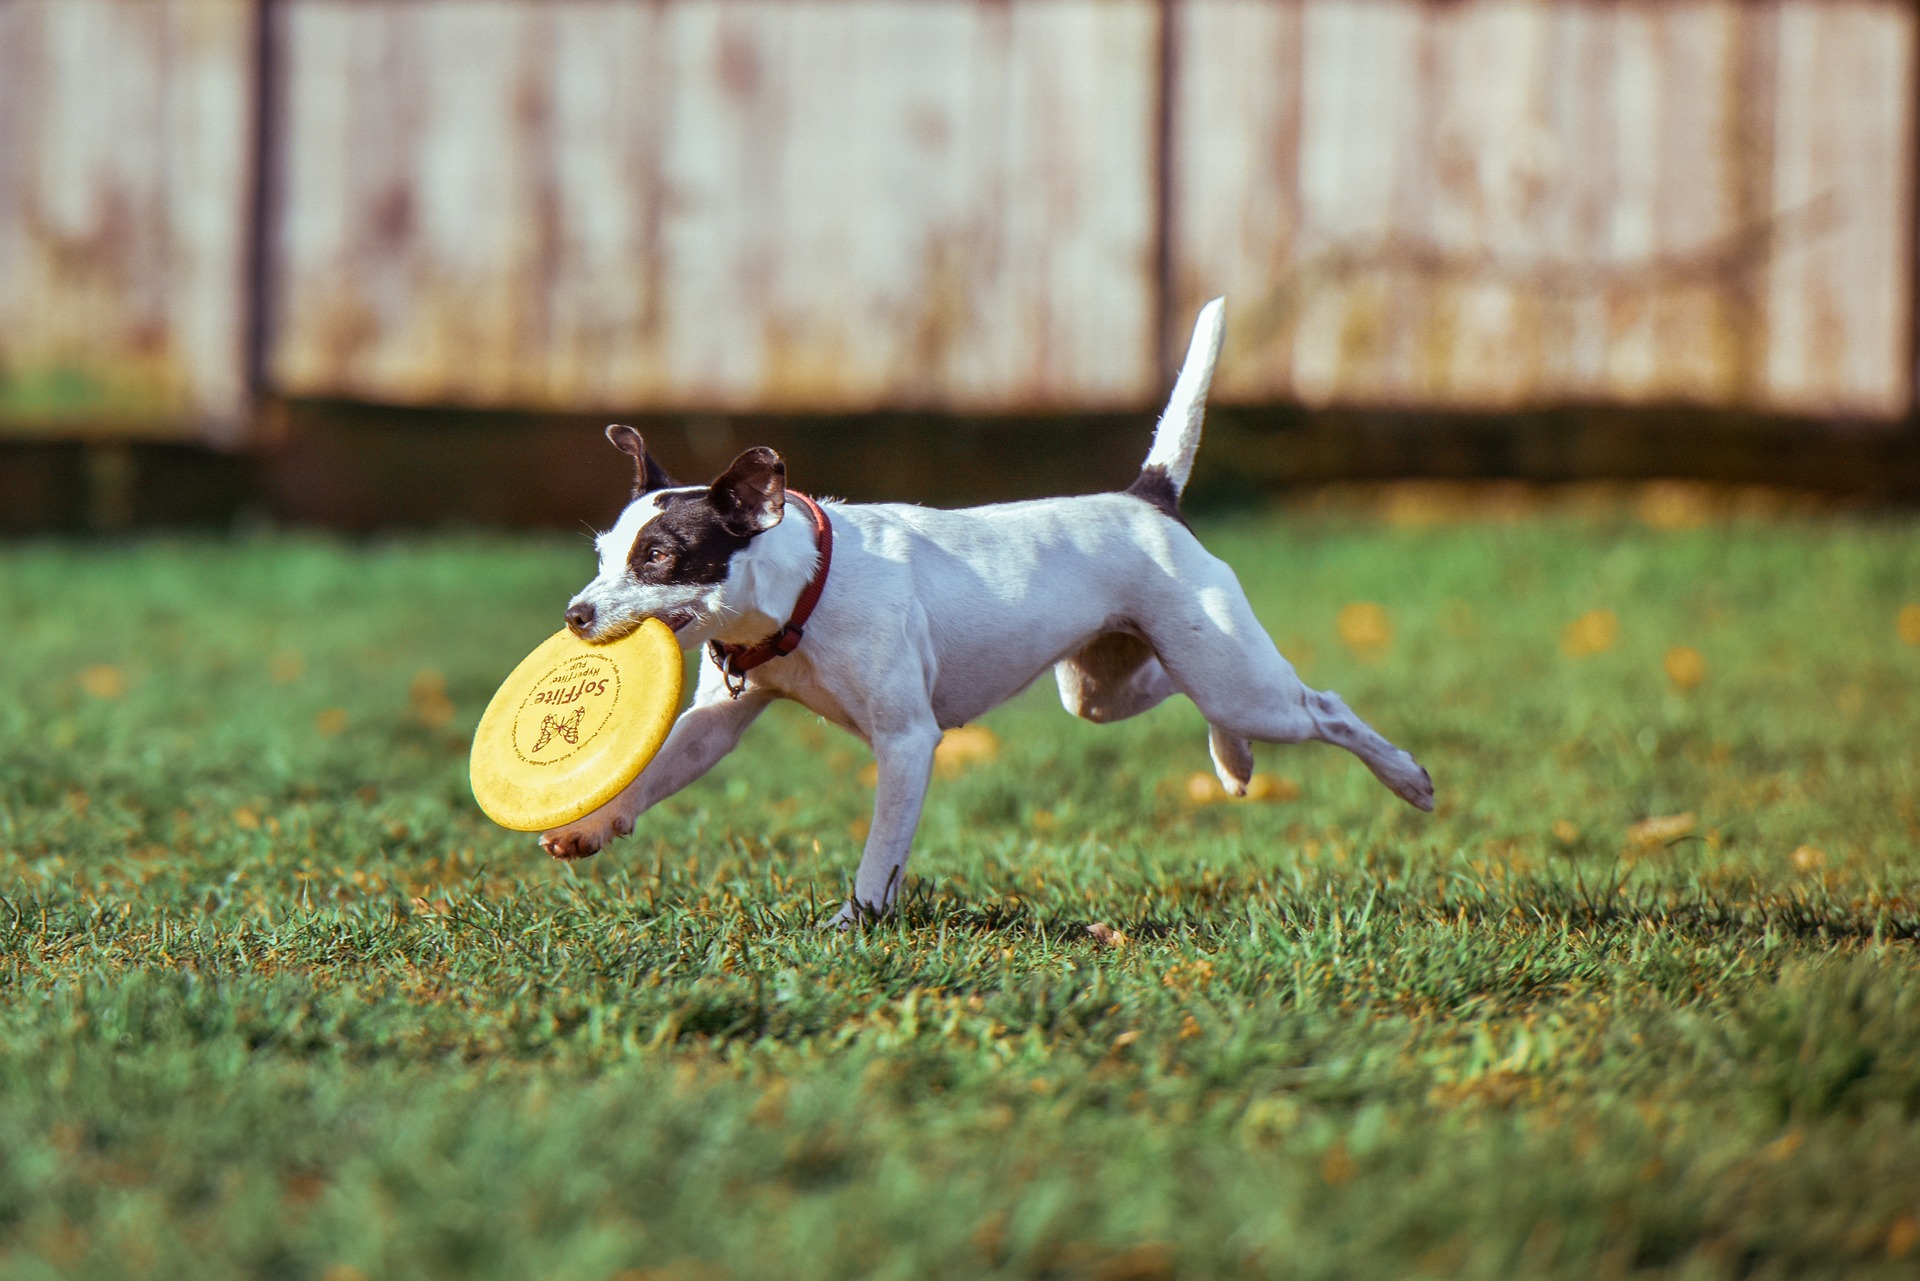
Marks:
<point>1610,906</point>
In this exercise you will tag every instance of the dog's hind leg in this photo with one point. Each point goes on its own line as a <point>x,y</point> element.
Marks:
<point>1116,675</point>
<point>1219,656</point>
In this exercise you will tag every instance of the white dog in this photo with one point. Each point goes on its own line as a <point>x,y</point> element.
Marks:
<point>929,619</point>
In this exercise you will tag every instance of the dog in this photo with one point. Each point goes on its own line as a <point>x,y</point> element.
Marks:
<point>928,619</point>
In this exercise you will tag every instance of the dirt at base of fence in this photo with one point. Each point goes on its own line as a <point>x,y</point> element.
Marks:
<point>363,468</point>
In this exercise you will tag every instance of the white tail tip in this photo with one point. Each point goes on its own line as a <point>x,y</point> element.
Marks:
<point>1177,439</point>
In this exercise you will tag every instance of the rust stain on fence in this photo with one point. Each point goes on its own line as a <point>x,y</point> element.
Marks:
<point>753,204</point>
<point>842,205</point>
<point>1500,203</point>
<point>123,135</point>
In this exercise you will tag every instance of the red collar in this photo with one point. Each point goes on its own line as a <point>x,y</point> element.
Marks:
<point>735,661</point>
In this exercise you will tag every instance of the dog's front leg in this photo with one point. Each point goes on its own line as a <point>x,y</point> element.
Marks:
<point>905,760</point>
<point>705,732</point>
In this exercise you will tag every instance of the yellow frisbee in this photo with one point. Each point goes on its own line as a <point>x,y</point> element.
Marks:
<point>573,725</point>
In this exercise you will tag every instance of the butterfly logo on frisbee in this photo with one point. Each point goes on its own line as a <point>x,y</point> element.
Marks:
<point>552,727</point>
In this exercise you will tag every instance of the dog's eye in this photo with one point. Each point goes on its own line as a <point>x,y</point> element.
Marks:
<point>659,556</point>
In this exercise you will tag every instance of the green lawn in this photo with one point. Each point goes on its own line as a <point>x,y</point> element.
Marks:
<point>278,1000</point>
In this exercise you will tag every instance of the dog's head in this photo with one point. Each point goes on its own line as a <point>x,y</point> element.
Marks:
<point>674,550</point>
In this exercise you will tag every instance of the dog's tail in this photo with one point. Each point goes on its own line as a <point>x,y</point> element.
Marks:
<point>1177,439</point>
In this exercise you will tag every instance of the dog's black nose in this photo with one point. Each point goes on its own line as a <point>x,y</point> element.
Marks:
<point>580,617</point>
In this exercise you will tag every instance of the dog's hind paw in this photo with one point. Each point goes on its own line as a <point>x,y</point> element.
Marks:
<point>1416,790</point>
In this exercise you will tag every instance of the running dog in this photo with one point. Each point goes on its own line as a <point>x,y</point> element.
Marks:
<point>898,622</point>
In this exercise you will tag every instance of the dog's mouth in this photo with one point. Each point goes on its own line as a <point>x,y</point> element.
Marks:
<point>676,619</point>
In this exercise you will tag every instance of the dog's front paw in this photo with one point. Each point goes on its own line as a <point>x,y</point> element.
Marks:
<point>853,913</point>
<point>585,838</point>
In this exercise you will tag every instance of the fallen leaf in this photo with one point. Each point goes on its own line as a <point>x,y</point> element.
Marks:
<point>1152,1261</point>
<point>1686,667</point>
<point>303,1188</point>
<point>1665,830</point>
<point>1338,1165</point>
<point>428,694</point>
<point>1784,1146</point>
<point>1808,859</point>
<point>1204,789</point>
<point>1364,628</point>
<point>1565,831</point>
<point>1107,936</point>
<point>963,747</point>
<point>103,680</point>
<point>246,819</point>
<point>1268,787</point>
<point>332,721</point>
<point>1909,624</point>
<point>1594,632</point>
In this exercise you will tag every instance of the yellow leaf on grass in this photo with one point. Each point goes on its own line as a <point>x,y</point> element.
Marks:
<point>1594,632</point>
<point>1364,628</point>
<point>428,694</point>
<point>1204,789</point>
<point>967,746</point>
<point>1338,1165</point>
<point>103,680</point>
<point>1565,831</point>
<point>246,819</point>
<point>1271,787</point>
<point>1808,859</point>
<point>1665,830</point>
<point>1686,668</point>
<point>1909,624</point>
<point>331,721</point>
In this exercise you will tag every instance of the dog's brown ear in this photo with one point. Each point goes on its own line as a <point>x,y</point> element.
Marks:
<point>752,494</point>
<point>647,474</point>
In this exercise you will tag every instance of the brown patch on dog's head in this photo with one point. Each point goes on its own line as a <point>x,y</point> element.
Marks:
<point>693,540</point>
<point>647,474</point>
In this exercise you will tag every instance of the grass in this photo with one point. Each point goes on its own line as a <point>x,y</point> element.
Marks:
<point>279,1002</point>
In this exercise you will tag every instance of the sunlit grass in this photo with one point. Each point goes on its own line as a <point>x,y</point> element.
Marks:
<point>1640,997</point>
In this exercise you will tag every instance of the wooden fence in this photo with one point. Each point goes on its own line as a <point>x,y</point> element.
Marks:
<point>844,205</point>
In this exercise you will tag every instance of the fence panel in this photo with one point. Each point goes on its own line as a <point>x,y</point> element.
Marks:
<point>125,130</point>
<point>1500,203</point>
<point>754,204</point>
